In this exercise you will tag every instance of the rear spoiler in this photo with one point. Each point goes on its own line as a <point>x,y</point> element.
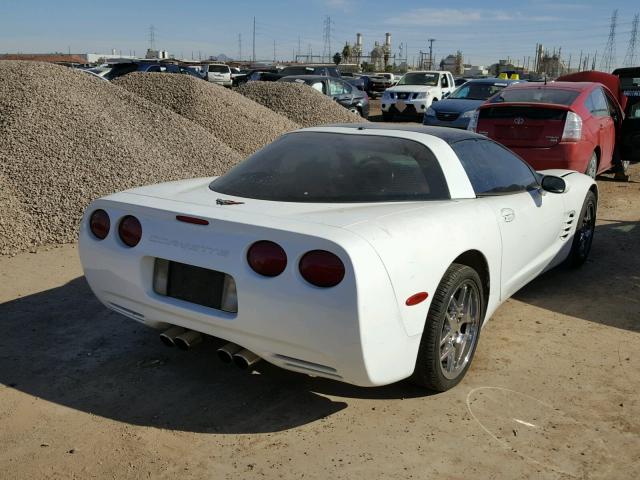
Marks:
<point>551,106</point>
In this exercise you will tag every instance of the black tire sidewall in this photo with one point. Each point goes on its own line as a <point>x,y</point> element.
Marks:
<point>575,259</point>
<point>427,372</point>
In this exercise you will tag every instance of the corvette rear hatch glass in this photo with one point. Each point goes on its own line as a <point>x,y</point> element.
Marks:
<point>322,167</point>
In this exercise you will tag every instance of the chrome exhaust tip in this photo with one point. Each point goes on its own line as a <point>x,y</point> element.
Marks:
<point>226,352</point>
<point>168,336</point>
<point>188,339</point>
<point>245,358</point>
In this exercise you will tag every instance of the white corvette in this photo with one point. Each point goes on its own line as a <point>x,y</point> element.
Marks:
<point>362,253</point>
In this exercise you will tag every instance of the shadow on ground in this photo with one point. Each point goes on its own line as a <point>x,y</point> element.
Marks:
<point>63,346</point>
<point>605,290</point>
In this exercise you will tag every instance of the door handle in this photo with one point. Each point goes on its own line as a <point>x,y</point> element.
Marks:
<point>508,215</point>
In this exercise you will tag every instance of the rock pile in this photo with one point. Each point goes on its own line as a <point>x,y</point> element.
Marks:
<point>67,138</point>
<point>234,119</point>
<point>300,103</point>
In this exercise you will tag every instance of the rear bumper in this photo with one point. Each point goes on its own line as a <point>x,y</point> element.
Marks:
<point>352,332</point>
<point>567,156</point>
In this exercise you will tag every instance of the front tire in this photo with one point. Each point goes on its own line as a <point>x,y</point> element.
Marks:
<point>452,330</point>
<point>585,229</point>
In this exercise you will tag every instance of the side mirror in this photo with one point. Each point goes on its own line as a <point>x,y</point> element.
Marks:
<point>553,184</point>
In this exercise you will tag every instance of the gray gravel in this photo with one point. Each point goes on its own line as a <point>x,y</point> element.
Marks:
<point>300,103</point>
<point>236,120</point>
<point>67,138</point>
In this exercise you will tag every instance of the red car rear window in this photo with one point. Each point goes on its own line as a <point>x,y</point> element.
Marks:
<point>557,96</point>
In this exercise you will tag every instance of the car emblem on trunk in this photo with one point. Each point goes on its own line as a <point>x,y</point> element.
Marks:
<point>518,120</point>
<point>220,201</point>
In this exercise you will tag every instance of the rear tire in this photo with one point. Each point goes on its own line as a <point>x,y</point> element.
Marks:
<point>585,229</point>
<point>451,331</point>
<point>592,166</point>
<point>387,116</point>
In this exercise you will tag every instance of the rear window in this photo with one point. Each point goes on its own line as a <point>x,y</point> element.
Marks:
<point>319,167</point>
<point>299,71</point>
<point>556,96</point>
<point>219,69</point>
<point>630,82</point>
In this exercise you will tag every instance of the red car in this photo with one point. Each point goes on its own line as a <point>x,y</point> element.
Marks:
<point>565,124</point>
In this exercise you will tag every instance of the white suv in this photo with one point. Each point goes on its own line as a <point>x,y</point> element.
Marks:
<point>415,92</point>
<point>219,73</point>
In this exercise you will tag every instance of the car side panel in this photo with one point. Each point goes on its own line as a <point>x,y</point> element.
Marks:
<point>417,247</point>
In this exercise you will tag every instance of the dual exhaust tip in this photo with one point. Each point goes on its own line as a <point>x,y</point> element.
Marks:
<point>230,353</point>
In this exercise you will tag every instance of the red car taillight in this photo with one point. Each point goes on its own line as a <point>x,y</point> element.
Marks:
<point>130,231</point>
<point>572,128</point>
<point>99,224</point>
<point>321,268</point>
<point>267,258</point>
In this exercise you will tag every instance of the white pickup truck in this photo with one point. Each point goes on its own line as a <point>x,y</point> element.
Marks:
<point>415,92</point>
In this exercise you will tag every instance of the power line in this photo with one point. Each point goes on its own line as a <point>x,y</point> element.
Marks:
<point>608,60</point>
<point>630,57</point>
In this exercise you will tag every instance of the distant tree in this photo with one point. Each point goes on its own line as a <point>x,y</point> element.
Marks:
<point>388,68</point>
<point>346,52</point>
<point>337,58</point>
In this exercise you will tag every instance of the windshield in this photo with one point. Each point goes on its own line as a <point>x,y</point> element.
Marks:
<point>477,91</point>
<point>556,96</point>
<point>321,167</point>
<point>430,79</point>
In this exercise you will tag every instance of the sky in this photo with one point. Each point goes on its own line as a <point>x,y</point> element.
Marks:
<point>484,31</point>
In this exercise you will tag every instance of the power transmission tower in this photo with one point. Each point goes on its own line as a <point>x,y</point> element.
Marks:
<point>608,59</point>
<point>326,37</point>
<point>240,47</point>
<point>253,55</point>
<point>630,57</point>
<point>152,37</point>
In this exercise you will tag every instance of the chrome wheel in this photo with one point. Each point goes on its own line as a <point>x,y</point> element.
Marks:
<point>460,329</point>
<point>585,233</point>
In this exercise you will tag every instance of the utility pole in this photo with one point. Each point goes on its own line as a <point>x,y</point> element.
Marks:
<point>580,62</point>
<point>253,55</point>
<point>630,57</point>
<point>298,48</point>
<point>240,47</point>
<point>274,52</point>
<point>431,40</point>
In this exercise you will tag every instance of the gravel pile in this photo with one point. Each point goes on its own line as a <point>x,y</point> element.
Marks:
<point>236,120</point>
<point>300,103</point>
<point>67,138</point>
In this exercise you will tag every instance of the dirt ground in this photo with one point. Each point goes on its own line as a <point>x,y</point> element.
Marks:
<point>554,391</point>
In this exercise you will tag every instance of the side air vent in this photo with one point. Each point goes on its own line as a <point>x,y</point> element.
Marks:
<point>570,218</point>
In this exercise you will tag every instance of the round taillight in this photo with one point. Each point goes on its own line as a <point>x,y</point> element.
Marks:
<point>99,224</point>
<point>321,268</point>
<point>267,258</point>
<point>130,230</point>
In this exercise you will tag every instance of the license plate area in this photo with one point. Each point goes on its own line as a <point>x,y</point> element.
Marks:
<point>197,285</point>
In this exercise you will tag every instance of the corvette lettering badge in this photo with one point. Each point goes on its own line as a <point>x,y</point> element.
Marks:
<point>220,201</point>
